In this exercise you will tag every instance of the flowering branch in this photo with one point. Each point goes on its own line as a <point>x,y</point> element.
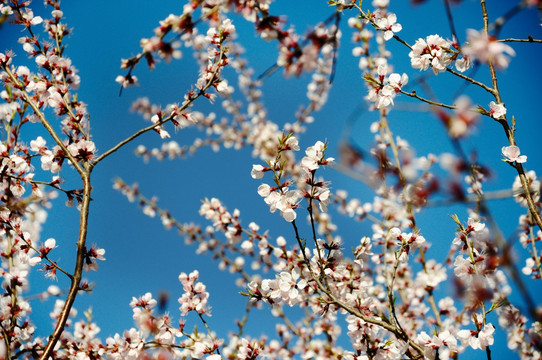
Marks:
<point>43,120</point>
<point>187,103</point>
<point>509,132</point>
<point>430,102</point>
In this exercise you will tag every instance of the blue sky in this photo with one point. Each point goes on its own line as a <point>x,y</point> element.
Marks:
<point>142,256</point>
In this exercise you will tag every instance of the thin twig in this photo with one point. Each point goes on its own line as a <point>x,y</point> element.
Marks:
<point>508,131</point>
<point>451,20</point>
<point>416,96</point>
<point>471,80</point>
<point>529,40</point>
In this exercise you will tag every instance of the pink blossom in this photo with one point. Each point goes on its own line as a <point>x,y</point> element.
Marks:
<point>264,190</point>
<point>291,143</point>
<point>530,267</point>
<point>145,301</point>
<point>511,153</point>
<point>53,290</point>
<point>5,10</point>
<point>487,49</point>
<point>463,268</point>
<point>534,188</point>
<point>433,275</point>
<point>496,110</point>
<point>48,246</point>
<point>127,81</point>
<point>444,342</point>
<point>286,203</point>
<point>389,25</point>
<point>223,88</point>
<point>463,64</point>
<point>285,287</point>
<point>258,171</point>
<point>91,256</point>
<point>383,91</point>
<point>195,296</point>
<point>315,157</point>
<point>82,149</point>
<point>381,3</point>
<point>38,145</point>
<point>477,340</point>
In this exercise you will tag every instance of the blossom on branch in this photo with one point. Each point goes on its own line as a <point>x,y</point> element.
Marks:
<point>285,287</point>
<point>127,81</point>
<point>433,51</point>
<point>286,201</point>
<point>487,49</point>
<point>534,188</point>
<point>83,149</point>
<point>315,157</point>
<point>496,110</point>
<point>195,296</point>
<point>382,91</point>
<point>389,25</point>
<point>477,339</point>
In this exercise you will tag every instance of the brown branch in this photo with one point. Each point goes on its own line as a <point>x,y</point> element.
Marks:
<point>471,80</point>
<point>416,96</point>
<point>528,195</point>
<point>77,275</point>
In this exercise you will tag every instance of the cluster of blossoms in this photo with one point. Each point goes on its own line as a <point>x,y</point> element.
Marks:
<point>383,90</point>
<point>437,52</point>
<point>154,330</point>
<point>433,51</point>
<point>195,296</point>
<point>285,288</point>
<point>281,197</point>
<point>297,57</point>
<point>293,285</point>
